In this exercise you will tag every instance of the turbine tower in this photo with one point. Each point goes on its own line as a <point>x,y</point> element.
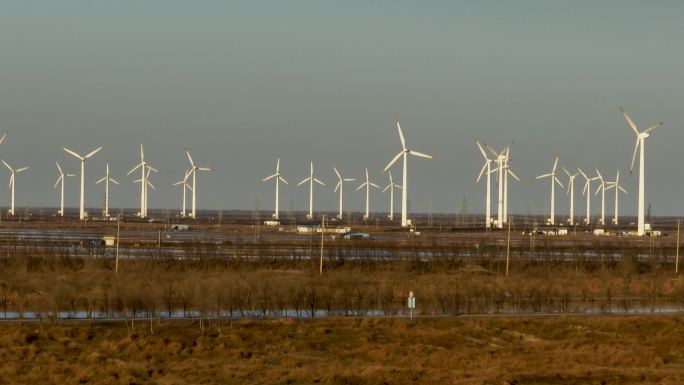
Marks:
<point>13,174</point>
<point>404,193</point>
<point>311,179</point>
<point>391,186</point>
<point>144,169</point>
<point>640,139</point>
<point>184,183</point>
<point>193,171</point>
<point>367,184</point>
<point>340,187</point>
<point>502,170</point>
<point>278,179</point>
<point>60,179</point>
<point>554,180</point>
<point>571,192</point>
<point>145,181</point>
<point>618,188</point>
<point>486,170</point>
<point>82,213</point>
<point>106,180</point>
<point>507,172</point>
<point>602,188</point>
<point>587,191</point>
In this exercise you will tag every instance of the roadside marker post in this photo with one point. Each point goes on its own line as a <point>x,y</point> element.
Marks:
<point>411,303</point>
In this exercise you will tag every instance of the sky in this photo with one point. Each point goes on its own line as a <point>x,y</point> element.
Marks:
<point>241,83</point>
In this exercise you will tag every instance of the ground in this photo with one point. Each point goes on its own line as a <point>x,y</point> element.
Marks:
<point>439,350</point>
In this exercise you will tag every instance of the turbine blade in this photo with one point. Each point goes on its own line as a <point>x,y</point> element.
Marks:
<point>2,139</point>
<point>482,171</point>
<point>565,170</point>
<point>150,168</point>
<point>93,153</point>
<point>420,154</point>
<point>392,161</point>
<point>192,163</point>
<point>7,165</point>
<point>151,185</point>
<point>543,176</point>
<point>349,179</point>
<point>338,185</point>
<point>11,181</point>
<point>496,154</point>
<point>59,168</point>
<point>629,121</point>
<point>205,169</point>
<point>623,190</point>
<point>319,182</point>
<point>582,172</point>
<point>386,188</point>
<point>269,177</point>
<point>72,153</point>
<point>513,175</point>
<point>113,181</point>
<point>598,173</point>
<point>282,180</point>
<point>22,169</point>
<point>374,185</point>
<point>555,164</point>
<point>362,186</point>
<point>101,180</point>
<point>135,168</point>
<point>482,151</point>
<point>337,172</point>
<point>58,180</point>
<point>401,136</point>
<point>653,127</point>
<point>558,181</point>
<point>304,181</point>
<point>278,166</point>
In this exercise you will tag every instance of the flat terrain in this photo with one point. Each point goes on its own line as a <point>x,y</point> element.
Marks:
<point>508,350</point>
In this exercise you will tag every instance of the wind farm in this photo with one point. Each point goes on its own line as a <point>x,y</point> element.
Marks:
<point>335,193</point>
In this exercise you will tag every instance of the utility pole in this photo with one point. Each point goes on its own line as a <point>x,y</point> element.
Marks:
<point>118,225</point>
<point>320,270</point>
<point>677,257</point>
<point>508,246</point>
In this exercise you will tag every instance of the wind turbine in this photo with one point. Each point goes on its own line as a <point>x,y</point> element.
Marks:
<point>367,184</point>
<point>82,213</point>
<point>587,191</point>
<point>640,139</point>
<point>278,179</point>
<point>193,171</point>
<point>486,169</point>
<point>602,188</point>
<point>404,193</point>
<point>571,192</point>
<point>106,180</point>
<point>184,183</point>
<point>618,188</point>
<point>391,186</point>
<point>554,180</point>
<point>311,179</point>
<point>12,180</point>
<point>507,172</point>
<point>145,181</point>
<point>340,187</point>
<point>144,169</point>
<point>60,179</point>
<point>502,169</point>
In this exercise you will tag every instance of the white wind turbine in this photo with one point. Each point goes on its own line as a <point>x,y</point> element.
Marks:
<point>340,187</point>
<point>503,169</point>
<point>184,183</point>
<point>391,186</point>
<point>82,213</point>
<point>554,180</point>
<point>641,136</point>
<point>587,191</point>
<point>486,170</point>
<point>106,179</point>
<point>602,188</point>
<point>618,188</point>
<point>145,181</point>
<point>144,171</point>
<point>367,184</point>
<point>404,193</point>
<point>571,192</point>
<point>13,174</point>
<point>278,179</point>
<point>311,179</point>
<point>60,179</point>
<point>193,171</point>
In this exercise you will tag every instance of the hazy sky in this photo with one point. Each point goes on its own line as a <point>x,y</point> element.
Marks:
<point>242,82</point>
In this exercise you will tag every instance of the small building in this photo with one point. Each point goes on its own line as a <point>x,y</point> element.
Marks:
<point>552,230</point>
<point>308,229</point>
<point>180,227</point>
<point>356,235</point>
<point>109,240</point>
<point>272,223</point>
<point>599,232</point>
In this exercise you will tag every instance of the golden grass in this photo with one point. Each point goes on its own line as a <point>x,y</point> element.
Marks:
<point>531,350</point>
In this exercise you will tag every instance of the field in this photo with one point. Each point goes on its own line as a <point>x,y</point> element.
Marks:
<point>517,350</point>
<point>239,303</point>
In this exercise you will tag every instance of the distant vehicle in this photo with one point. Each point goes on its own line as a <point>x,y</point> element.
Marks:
<point>356,236</point>
<point>92,242</point>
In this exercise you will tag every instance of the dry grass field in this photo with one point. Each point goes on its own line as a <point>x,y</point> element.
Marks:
<point>510,350</point>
